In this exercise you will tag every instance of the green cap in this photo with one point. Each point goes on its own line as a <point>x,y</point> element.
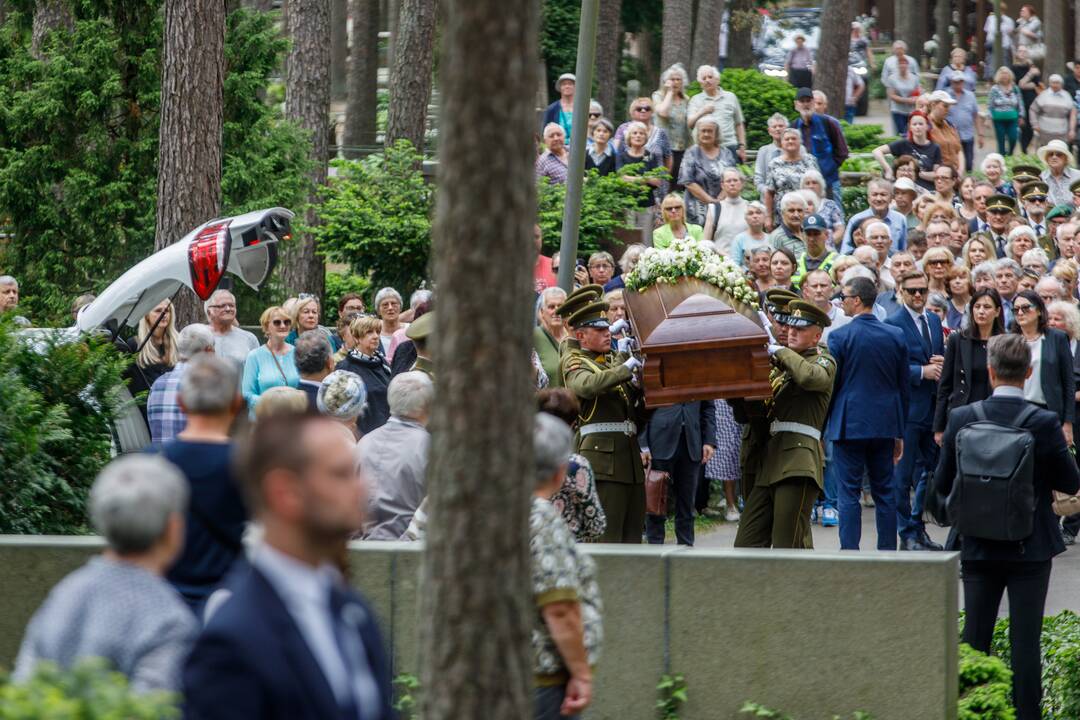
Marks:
<point>1064,211</point>
<point>1075,186</point>
<point>1001,202</point>
<point>777,299</point>
<point>1026,171</point>
<point>802,313</point>
<point>579,299</point>
<point>1034,190</point>
<point>593,315</point>
<point>421,327</point>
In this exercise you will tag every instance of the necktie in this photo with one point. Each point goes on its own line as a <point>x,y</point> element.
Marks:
<point>925,335</point>
<point>1038,229</point>
<point>1000,242</point>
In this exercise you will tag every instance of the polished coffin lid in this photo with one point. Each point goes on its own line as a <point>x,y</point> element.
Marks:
<point>695,346</point>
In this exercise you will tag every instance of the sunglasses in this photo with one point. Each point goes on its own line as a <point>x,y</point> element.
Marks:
<point>916,291</point>
<point>281,323</point>
<point>937,262</point>
<point>673,209</point>
<point>643,108</point>
<point>1021,309</point>
<point>594,115</point>
<point>999,211</point>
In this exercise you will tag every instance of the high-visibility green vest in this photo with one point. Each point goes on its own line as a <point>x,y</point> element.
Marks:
<point>800,267</point>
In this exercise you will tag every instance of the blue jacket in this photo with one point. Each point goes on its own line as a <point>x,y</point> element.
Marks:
<point>252,662</point>
<point>870,392</point>
<point>923,392</point>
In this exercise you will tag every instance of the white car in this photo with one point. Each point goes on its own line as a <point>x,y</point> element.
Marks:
<point>244,245</point>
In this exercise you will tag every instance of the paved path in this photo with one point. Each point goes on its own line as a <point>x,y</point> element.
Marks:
<point>1064,580</point>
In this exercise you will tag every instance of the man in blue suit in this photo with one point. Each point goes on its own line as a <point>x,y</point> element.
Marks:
<point>925,353</point>
<point>293,642</point>
<point>868,413</point>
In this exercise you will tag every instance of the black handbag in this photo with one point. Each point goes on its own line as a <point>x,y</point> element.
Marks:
<point>935,510</point>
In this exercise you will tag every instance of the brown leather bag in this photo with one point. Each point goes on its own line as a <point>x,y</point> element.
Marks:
<point>1065,504</point>
<point>656,491</point>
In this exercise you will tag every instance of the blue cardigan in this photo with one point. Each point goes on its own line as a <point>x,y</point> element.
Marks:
<point>261,373</point>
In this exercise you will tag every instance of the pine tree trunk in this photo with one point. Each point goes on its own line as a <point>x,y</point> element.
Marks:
<point>339,48</point>
<point>189,152</point>
<point>911,27</point>
<point>706,34</point>
<point>741,25</point>
<point>942,20</point>
<point>49,15</point>
<point>830,70</point>
<point>363,86</point>
<point>608,54</point>
<point>307,103</point>
<point>476,604</point>
<point>677,33</point>
<point>1054,28</point>
<point>410,81</point>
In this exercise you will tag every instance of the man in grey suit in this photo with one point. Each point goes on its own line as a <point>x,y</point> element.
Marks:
<point>679,440</point>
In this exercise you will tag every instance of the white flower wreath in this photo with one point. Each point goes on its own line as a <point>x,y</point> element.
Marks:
<point>691,258</point>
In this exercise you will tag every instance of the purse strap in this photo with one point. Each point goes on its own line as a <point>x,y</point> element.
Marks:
<point>279,368</point>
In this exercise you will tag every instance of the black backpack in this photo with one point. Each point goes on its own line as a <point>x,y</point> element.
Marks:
<point>993,496</point>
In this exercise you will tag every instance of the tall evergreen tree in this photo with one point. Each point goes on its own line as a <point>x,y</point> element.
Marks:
<point>363,86</point>
<point>678,33</point>
<point>830,70</point>
<point>410,79</point>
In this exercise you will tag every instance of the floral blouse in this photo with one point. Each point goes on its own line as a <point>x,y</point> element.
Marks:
<point>578,502</point>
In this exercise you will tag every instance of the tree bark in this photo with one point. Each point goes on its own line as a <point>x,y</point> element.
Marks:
<point>410,81</point>
<point>475,600</point>
<point>742,24</point>
<point>1054,28</point>
<point>189,140</point>
<point>307,103</point>
<point>49,15</point>
<point>608,54</point>
<point>911,27</point>
<point>1076,32</point>
<point>677,33</point>
<point>830,68</point>
<point>363,86</point>
<point>339,48</point>
<point>706,35</point>
<point>942,20</point>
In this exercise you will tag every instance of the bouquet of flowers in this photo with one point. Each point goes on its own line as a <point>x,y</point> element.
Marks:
<point>690,258</point>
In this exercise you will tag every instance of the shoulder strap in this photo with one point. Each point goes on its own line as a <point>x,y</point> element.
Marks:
<point>1025,414</point>
<point>980,413</point>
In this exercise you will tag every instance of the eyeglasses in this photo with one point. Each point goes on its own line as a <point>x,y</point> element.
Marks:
<point>916,291</point>
<point>281,323</point>
<point>1021,309</point>
<point>594,115</point>
<point>847,297</point>
<point>643,108</point>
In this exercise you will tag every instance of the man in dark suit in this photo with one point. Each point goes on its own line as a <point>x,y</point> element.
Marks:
<point>679,440</point>
<point>314,361</point>
<point>293,642</point>
<point>925,352</point>
<point>869,409</point>
<point>990,567</point>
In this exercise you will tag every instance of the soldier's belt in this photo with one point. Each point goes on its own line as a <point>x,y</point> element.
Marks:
<point>626,427</point>
<point>778,427</point>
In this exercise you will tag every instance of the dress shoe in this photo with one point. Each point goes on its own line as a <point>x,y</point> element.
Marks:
<point>912,544</point>
<point>929,544</point>
<point>1068,537</point>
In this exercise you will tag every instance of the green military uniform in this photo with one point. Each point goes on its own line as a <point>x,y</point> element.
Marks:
<point>789,475</point>
<point>607,427</point>
<point>1033,191</point>
<point>419,331</point>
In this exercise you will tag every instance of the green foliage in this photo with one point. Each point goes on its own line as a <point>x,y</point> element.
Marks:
<point>673,693</point>
<point>1014,160</point>
<point>760,711</point>
<point>376,217</point>
<point>337,284</point>
<point>877,89</point>
<point>864,138</point>
<point>406,702</point>
<point>90,691</point>
<point>854,200</point>
<point>559,23</point>
<point>985,687</point>
<point>605,202</point>
<point>79,145</point>
<point>57,404</point>
<point>760,96</point>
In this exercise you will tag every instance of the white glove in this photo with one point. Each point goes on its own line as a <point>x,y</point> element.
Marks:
<point>619,326</point>
<point>774,348</point>
<point>624,345</point>
<point>633,363</point>
<point>767,325</point>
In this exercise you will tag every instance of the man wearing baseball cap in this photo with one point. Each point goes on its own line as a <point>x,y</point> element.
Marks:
<point>817,255</point>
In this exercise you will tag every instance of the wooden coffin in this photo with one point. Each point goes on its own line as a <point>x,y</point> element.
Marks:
<point>695,346</point>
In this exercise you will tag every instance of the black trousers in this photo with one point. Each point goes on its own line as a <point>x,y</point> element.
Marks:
<point>1026,583</point>
<point>683,489</point>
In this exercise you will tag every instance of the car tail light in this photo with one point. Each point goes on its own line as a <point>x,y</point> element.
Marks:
<point>208,256</point>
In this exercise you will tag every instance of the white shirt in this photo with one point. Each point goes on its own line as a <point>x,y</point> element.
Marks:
<point>305,592</point>
<point>1033,391</point>
<point>837,319</point>
<point>731,222</point>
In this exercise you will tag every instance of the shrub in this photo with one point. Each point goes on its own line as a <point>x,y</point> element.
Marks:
<point>864,138</point>
<point>854,200</point>
<point>985,687</point>
<point>58,401</point>
<point>760,96</point>
<point>376,218</point>
<point>605,202</point>
<point>90,691</point>
<point>337,284</point>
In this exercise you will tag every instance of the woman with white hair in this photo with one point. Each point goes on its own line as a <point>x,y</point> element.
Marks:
<point>388,308</point>
<point>721,105</point>
<point>554,161</point>
<point>635,151</point>
<point>1035,259</point>
<point>118,605</point>
<point>993,167</point>
<point>702,171</point>
<point>1006,107</point>
<point>827,208</point>
<point>1021,239</point>
<point>752,237</point>
<point>786,171</point>
<point>641,110</point>
<point>549,333</point>
<point>670,104</point>
<point>1053,114</point>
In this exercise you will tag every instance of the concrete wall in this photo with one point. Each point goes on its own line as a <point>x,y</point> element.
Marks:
<point>811,633</point>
